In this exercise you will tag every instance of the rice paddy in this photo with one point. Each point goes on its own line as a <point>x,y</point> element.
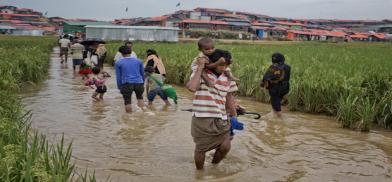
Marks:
<point>26,155</point>
<point>351,81</point>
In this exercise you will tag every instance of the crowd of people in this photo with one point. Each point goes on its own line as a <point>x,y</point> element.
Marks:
<point>132,75</point>
<point>214,111</point>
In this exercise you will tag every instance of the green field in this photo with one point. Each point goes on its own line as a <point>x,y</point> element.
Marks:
<point>25,155</point>
<point>352,81</point>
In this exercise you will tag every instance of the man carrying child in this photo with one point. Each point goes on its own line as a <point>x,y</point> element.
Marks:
<point>212,102</point>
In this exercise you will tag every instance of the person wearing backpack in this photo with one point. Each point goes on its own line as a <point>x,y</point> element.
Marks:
<point>277,81</point>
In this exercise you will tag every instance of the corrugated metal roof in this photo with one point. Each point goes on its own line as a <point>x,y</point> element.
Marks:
<point>287,23</point>
<point>56,20</point>
<point>25,27</point>
<point>6,27</point>
<point>243,17</point>
<point>132,27</point>
<point>21,24</point>
<point>216,22</point>
<point>262,24</point>
<point>39,22</point>
<point>382,26</point>
<point>24,9</point>
<point>144,33</point>
<point>81,19</point>
<point>234,20</point>
<point>157,18</point>
<point>84,23</point>
<point>379,35</point>
<point>20,15</point>
<point>277,28</point>
<point>319,32</point>
<point>12,21</point>
<point>239,23</point>
<point>360,36</point>
<point>50,29</point>
<point>337,34</point>
<point>260,27</point>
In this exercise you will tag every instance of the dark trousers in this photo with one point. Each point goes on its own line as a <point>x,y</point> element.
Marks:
<point>101,60</point>
<point>277,92</point>
<point>276,99</point>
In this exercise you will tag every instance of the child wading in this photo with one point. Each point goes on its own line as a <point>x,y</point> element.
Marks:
<point>99,82</point>
<point>85,69</point>
<point>277,81</point>
<point>130,78</point>
<point>153,87</point>
<point>210,126</point>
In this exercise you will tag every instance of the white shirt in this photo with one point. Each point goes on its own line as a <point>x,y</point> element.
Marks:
<point>77,51</point>
<point>119,56</point>
<point>64,42</point>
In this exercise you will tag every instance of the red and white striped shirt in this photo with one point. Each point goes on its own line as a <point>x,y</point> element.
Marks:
<point>211,101</point>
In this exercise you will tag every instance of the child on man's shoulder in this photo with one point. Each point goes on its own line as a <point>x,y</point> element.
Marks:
<point>213,57</point>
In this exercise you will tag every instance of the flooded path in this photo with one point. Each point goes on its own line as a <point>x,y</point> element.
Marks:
<point>157,146</point>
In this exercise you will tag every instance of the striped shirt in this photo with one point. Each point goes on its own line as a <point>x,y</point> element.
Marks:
<point>210,102</point>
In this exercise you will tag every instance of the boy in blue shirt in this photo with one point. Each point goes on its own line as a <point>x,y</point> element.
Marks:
<point>130,78</point>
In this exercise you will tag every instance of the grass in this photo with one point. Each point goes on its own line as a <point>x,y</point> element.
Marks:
<point>26,155</point>
<point>326,77</point>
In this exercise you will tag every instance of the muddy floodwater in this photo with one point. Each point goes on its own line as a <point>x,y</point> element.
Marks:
<point>157,146</point>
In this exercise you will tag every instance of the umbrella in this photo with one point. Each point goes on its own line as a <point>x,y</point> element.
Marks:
<point>239,113</point>
<point>89,42</point>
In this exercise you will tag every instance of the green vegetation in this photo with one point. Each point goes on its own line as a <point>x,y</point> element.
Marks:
<point>352,81</point>
<point>26,155</point>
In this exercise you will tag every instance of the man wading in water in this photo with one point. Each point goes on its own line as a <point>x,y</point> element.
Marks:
<point>210,127</point>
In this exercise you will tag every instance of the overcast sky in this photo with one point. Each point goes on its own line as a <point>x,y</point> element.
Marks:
<point>111,9</point>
